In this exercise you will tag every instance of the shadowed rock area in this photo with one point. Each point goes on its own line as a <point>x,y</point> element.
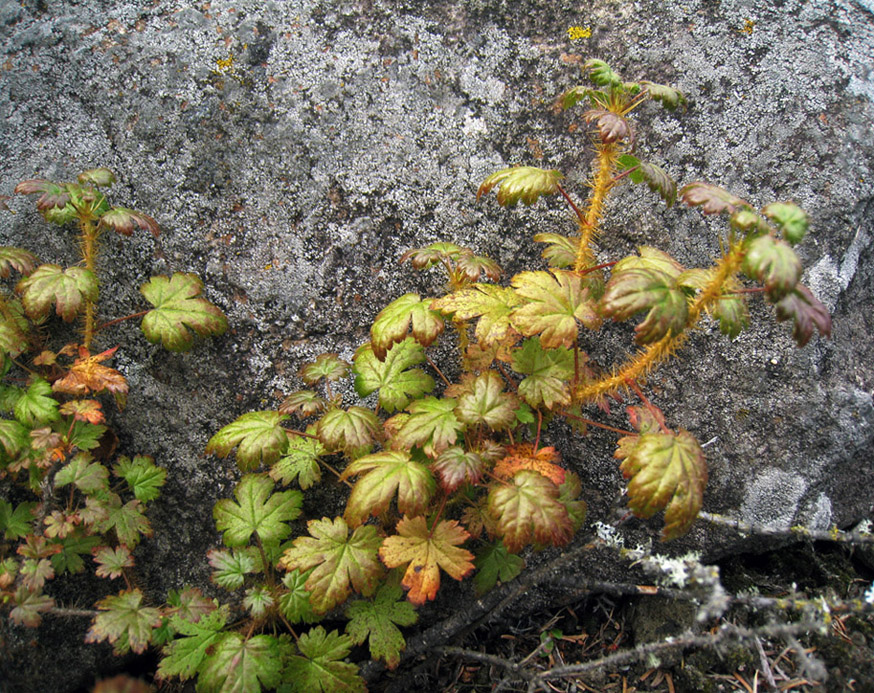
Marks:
<point>292,151</point>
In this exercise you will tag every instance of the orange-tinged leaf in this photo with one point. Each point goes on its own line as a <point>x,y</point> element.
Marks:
<point>86,376</point>
<point>523,456</point>
<point>528,511</point>
<point>409,313</point>
<point>341,562</point>
<point>385,474</point>
<point>84,410</point>
<point>667,471</point>
<point>556,301</point>
<point>427,552</point>
<point>69,289</point>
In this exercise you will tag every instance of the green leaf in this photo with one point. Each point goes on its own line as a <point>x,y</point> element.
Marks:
<point>378,621</point>
<point>257,510</point>
<point>341,562</point>
<point>669,97</point>
<point>14,437</point>
<point>456,466</point>
<point>387,473</point>
<point>16,259</point>
<point>28,607</point>
<point>123,220</point>
<point>732,313</point>
<point>348,429</point>
<point>649,258</point>
<point>326,366</point>
<point>190,604</point>
<point>179,312</point>
<point>548,373</point>
<point>711,198</point>
<point>183,656</point>
<point>231,567</point>
<point>525,183</point>
<point>568,495</point>
<point>37,405</point>
<point>425,552</point>
<point>637,289</point>
<point>320,667</point>
<point>243,665</point>
<point>258,600</point>
<point>259,435</point>
<point>68,289</point>
<point>16,523</point>
<point>88,476</point>
<point>601,74</point>
<point>127,520</point>
<point>432,425</point>
<point>14,329</point>
<point>300,461</point>
<point>396,381</point>
<point>99,177</point>
<point>528,511</point>
<point>773,262</point>
<point>53,194</point>
<point>789,218</point>
<point>667,471</point>
<point>304,403</point>
<point>556,301</point>
<point>656,178</point>
<point>73,547</point>
<point>486,404</point>
<point>561,251</point>
<point>404,314</point>
<point>491,304</point>
<point>579,93</point>
<point>124,622</point>
<point>295,603</point>
<point>808,313</point>
<point>143,477</point>
<point>495,564</point>
<point>111,562</point>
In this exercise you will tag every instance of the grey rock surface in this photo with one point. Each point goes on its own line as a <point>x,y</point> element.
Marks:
<point>291,151</point>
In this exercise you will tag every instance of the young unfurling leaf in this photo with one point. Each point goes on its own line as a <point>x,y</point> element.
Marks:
<point>387,473</point>
<point>179,312</point>
<point>669,97</point>
<point>320,667</point>
<point>98,177</point>
<point>556,301</point>
<point>425,258</point>
<point>602,74</point>
<point>69,289</point>
<point>404,314</point>
<point>258,437</point>
<point>427,551</point>
<point>773,262</point>
<point>789,218</point>
<point>491,304</point>
<point>656,178</point>
<point>394,376</point>
<point>528,510</point>
<point>611,126</point>
<point>341,562</point>
<point>525,183</point>
<point>378,621</point>
<point>808,313</point>
<point>124,622</point>
<point>257,510</point>
<point>667,470</point>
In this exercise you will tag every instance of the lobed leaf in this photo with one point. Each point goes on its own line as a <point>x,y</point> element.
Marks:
<point>656,178</point>
<point>142,476</point>
<point>179,312</point>
<point>111,562</point>
<point>87,376</point>
<point>320,667</point>
<point>669,97</point>
<point>427,257</point>
<point>348,429</point>
<point>378,621</point>
<point>100,177</point>
<point>16,259</point>
<point>733,315</point>
<point>303,403</point>
<point>612,127</point>
<point>123,220</point>
<point>16,523</point>
<point>300,461</point>
<point>231,567</point>
<point>579,93</point>
<point>711,198</point>
<point>36,406</point>
<point>789,218</point>
<point>341,562</point>
<point>432,425</point>
<point>667,470</point>
<point>14,330</point>
<point>387,473</point>
<point>525,183</point>
<point>456,466</point>
<point>774,263</point>
<point>86,474</point>
<point>405,314</point>
<point>28,607</point>
<point>183,656</point>
<point>548,373</point>
<point>124,622</point>
<point>475,266</point>
<point>492,304</point>
<point>556,301</point>
<point>326,366</point>
<point>486,404</point>
<point>528,511</point>
<point>53,194</point>
<point>127,519</point>
<point>495,564</point>
<point>561,251</point>
<point>295,603</point>
<point>601,73</point>
<point>257,511</point>
<point>425,552</point>
<point>398,383</point>
<point>69,289</point>
<point>640,289</point>
<point>523,456</point>
<point>258,437</point>
<point>237,663</point>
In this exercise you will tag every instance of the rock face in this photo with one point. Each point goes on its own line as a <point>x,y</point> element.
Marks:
<point>291,151</point>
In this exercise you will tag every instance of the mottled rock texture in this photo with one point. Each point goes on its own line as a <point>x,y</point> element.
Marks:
<point>292,150</point>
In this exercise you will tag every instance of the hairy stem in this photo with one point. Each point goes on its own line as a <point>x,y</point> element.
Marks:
<point>605,165</point>
<point>653,354</point>
<point>89,254</point>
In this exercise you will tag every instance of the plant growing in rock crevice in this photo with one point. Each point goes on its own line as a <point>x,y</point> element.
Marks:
<point>54,440</point>
<point>451,477</point>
